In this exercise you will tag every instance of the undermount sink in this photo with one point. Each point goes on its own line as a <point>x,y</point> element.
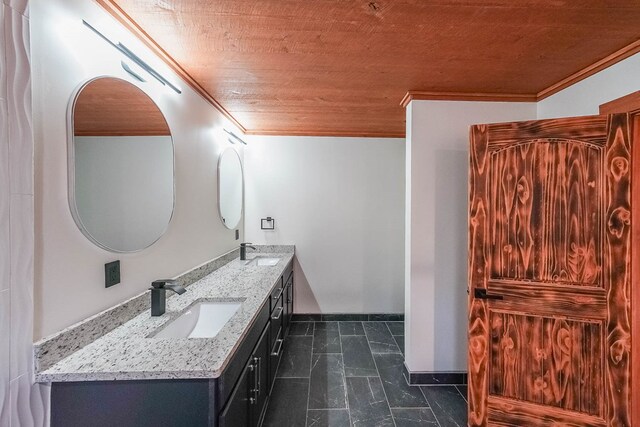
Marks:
<point>202,320</point>
<point>266,261</point>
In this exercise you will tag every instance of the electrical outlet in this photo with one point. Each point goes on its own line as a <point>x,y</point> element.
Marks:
<point>237,234</point>
<point>111,273</point>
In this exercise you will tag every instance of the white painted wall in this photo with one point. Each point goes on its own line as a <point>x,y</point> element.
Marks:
<point>131,171</point>
<point>341,201</point>
<point>436,227</point>
<point>584,98</point>
<point>69,269</point>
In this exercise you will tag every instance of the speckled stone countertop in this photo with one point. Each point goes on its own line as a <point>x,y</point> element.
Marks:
<point>130,352</point>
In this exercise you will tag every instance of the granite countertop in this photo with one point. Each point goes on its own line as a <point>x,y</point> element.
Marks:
<point>128,352</point>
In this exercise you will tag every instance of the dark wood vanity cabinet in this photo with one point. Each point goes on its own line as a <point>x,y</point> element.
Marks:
<point>246,405</point>
<point>238,398</point>
<point>247,402</point>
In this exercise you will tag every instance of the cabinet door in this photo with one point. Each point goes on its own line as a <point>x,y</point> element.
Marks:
<point>274,355</point>
<point>288,303</point>
<point>236,413</point>
<point>260,381</point>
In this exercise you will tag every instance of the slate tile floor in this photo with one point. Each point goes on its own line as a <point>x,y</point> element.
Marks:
<point>350,374</point>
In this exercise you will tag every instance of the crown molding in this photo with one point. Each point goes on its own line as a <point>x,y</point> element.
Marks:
<point>343,134</point>
<point>420,95</point>
<point>606,62</point>
<point>619,55</point>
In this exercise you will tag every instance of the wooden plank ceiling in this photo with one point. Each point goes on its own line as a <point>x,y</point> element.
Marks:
<point>341,67</point>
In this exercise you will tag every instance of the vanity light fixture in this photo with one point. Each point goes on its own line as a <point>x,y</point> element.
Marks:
<point>135,58</point>
<point>233,137</point>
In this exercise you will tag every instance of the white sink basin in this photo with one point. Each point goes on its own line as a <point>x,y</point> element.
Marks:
<point>202,320</point>
<point>266,261</point>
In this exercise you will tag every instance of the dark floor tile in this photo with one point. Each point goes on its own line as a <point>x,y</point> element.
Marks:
<point>399,393</point>
<point>396,328</point>
<point>380,339</point>
<point>386,317</point>
<point>328,418</point>
<point>327,382</point>
<point>357,357</point>
<point>367,402</point>
<point>414,417</point>
<point>326,338</point>
<point>447,404</point>
<point>296,359</point>
<point>400,341</point>
<point>328,326</point>
<point>298,317</point>
<point>351,328</point>
<point>344,317</point>
<point>288,403</point>
<point>301,328</point>
<point>463,391</point>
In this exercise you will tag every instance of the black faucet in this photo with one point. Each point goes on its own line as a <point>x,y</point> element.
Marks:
<point>159,294</point>
<point>243,250</point>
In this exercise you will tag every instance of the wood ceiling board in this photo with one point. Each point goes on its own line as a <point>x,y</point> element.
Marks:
<point>274,49</point>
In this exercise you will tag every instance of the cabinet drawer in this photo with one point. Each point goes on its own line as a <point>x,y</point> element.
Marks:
<point>276,294</point>
<point>276,307</point>
<point>275,325</point>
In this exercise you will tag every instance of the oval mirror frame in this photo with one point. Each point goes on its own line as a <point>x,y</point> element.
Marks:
<point>71,167</point>
<point>228,193</point>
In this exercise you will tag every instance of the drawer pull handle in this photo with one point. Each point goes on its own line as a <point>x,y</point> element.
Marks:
<point>279,344</point>
<point>254,398</point>
<point>257,360</point>
<point>279,314</point>
<point>279,295</point>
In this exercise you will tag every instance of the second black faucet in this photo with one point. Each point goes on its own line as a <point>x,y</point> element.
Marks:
<point>243,250</point>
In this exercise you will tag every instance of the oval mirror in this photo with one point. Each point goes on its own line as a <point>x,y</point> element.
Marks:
<point>121,187</point>
<point>230,188</point>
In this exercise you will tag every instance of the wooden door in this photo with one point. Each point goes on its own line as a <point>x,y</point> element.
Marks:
<point>550,273</point>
